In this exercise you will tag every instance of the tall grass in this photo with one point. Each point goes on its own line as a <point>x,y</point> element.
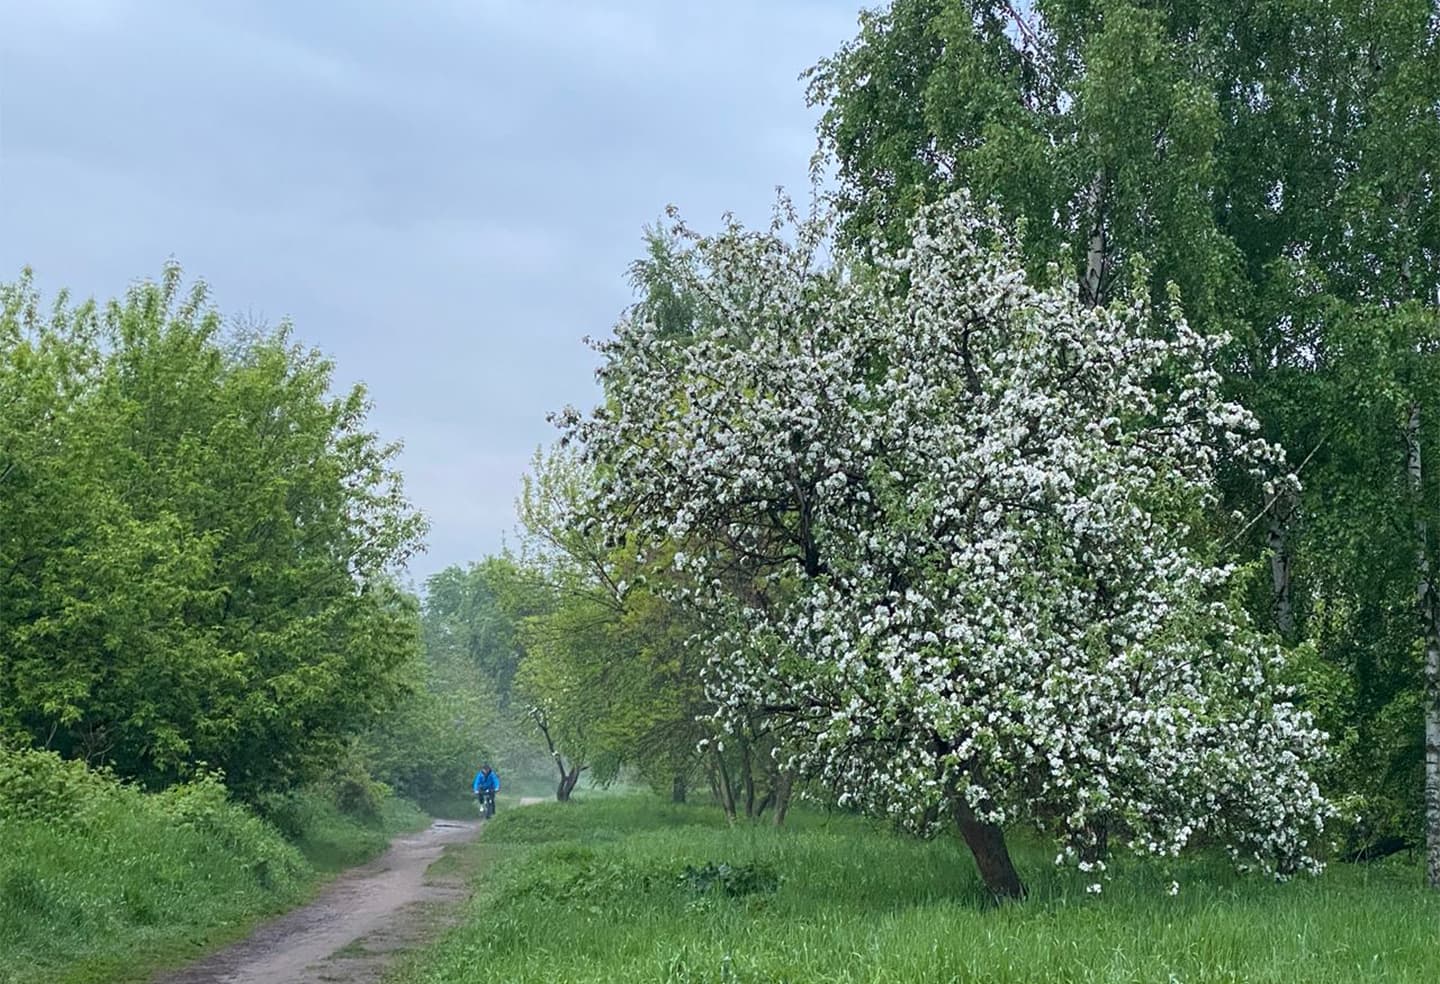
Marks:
<point>601,892</point>
<point>101,882</point>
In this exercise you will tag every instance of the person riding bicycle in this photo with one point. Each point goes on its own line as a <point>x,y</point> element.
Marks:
<point>486,785</point>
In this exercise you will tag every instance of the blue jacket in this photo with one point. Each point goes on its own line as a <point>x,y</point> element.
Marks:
<point>482,781</point>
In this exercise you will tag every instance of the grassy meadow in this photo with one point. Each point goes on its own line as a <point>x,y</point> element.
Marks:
<point>599,891</point>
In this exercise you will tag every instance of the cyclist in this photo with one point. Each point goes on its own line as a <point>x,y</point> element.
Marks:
<point>486,785</point>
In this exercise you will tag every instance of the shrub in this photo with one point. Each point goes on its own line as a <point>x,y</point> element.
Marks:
<point>42,786</point>
<point>733,881</point>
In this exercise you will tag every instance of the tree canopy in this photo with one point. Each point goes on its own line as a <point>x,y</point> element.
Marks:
<point>974,507</point>
<point>198,542</point>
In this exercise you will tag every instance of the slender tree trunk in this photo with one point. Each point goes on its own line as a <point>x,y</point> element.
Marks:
<point>568,777</point>
<point>727,792</point>
<point>1094,292</point>
<point>1432,765</point>
<point>987,843</point>
<point>1095,286</point>
<point>1277,538</point>
<point>784,786</point>
<point>748,780</point>
<point>1430,624</point>
<point>677,788</point>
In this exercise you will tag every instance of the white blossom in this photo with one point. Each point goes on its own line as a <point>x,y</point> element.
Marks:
<point>940,521</point>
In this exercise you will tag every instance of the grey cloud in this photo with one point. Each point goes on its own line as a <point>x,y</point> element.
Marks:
<point>443,195</point>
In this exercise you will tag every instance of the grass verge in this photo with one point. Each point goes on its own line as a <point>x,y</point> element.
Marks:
<point>100,882</point>
<point>621,890</point>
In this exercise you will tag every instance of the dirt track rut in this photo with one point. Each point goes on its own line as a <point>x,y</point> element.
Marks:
<point>357,926</point>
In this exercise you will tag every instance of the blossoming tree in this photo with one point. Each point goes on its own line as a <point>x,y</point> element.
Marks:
<point>968,514</point>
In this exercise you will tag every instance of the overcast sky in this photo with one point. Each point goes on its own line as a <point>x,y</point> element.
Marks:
<point>443,196</point>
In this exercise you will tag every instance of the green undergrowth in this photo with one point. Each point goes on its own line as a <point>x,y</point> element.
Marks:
<point>102,882</point>
<point>621,890</point>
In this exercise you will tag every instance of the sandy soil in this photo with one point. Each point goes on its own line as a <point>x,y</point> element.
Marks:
<point>356,928</point>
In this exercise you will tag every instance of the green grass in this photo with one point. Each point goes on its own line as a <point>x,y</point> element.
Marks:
<point>100,882</point>
<point>331,840</point>
<point>595,892</point>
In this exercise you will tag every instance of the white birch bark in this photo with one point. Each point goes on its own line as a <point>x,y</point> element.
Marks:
<point>1430,619</point>
<point>1097,259</point>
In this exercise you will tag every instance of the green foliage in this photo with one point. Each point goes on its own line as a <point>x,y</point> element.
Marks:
<point>101,874</point>
<point>732,881</point>
<point>605,656</point>
<point>469,635</point>
<point>330,837</point>
<point>42,787</point>
<point>428,747</point>
<point>472,653</point>
<point>853,903</point>
<point>1273,161</point>
<point>198,540</point>
<point>99,880</point>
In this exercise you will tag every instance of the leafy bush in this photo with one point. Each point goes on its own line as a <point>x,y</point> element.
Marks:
<point>204,806</point>
<point>42,786</point>
<point>95,871</point>
<point>355,793</point>
<point>732,881</point>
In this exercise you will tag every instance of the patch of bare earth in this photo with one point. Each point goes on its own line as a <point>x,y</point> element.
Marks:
<point>357,927</point>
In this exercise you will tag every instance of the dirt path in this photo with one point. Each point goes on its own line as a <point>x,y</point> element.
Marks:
<point>358,925</point>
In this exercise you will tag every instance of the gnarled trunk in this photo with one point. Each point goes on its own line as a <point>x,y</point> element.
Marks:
<point>992,857</point>
<point>568,781</point>
<point>568,777</point>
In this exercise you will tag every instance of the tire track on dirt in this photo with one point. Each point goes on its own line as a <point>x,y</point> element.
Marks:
<point>358,925</point>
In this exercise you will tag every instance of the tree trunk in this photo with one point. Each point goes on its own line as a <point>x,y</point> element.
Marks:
<point>1432,765</point>
<point>784,785</point>
<point>568,781</point>
<point>727,793</point>
<point>1278,540</point>
<point>992,858</point>
<point>748,779</point>
<point>1430,624</point>
<point>1094,844</point>
<point>1095,286</point>
<point>677,788</point>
